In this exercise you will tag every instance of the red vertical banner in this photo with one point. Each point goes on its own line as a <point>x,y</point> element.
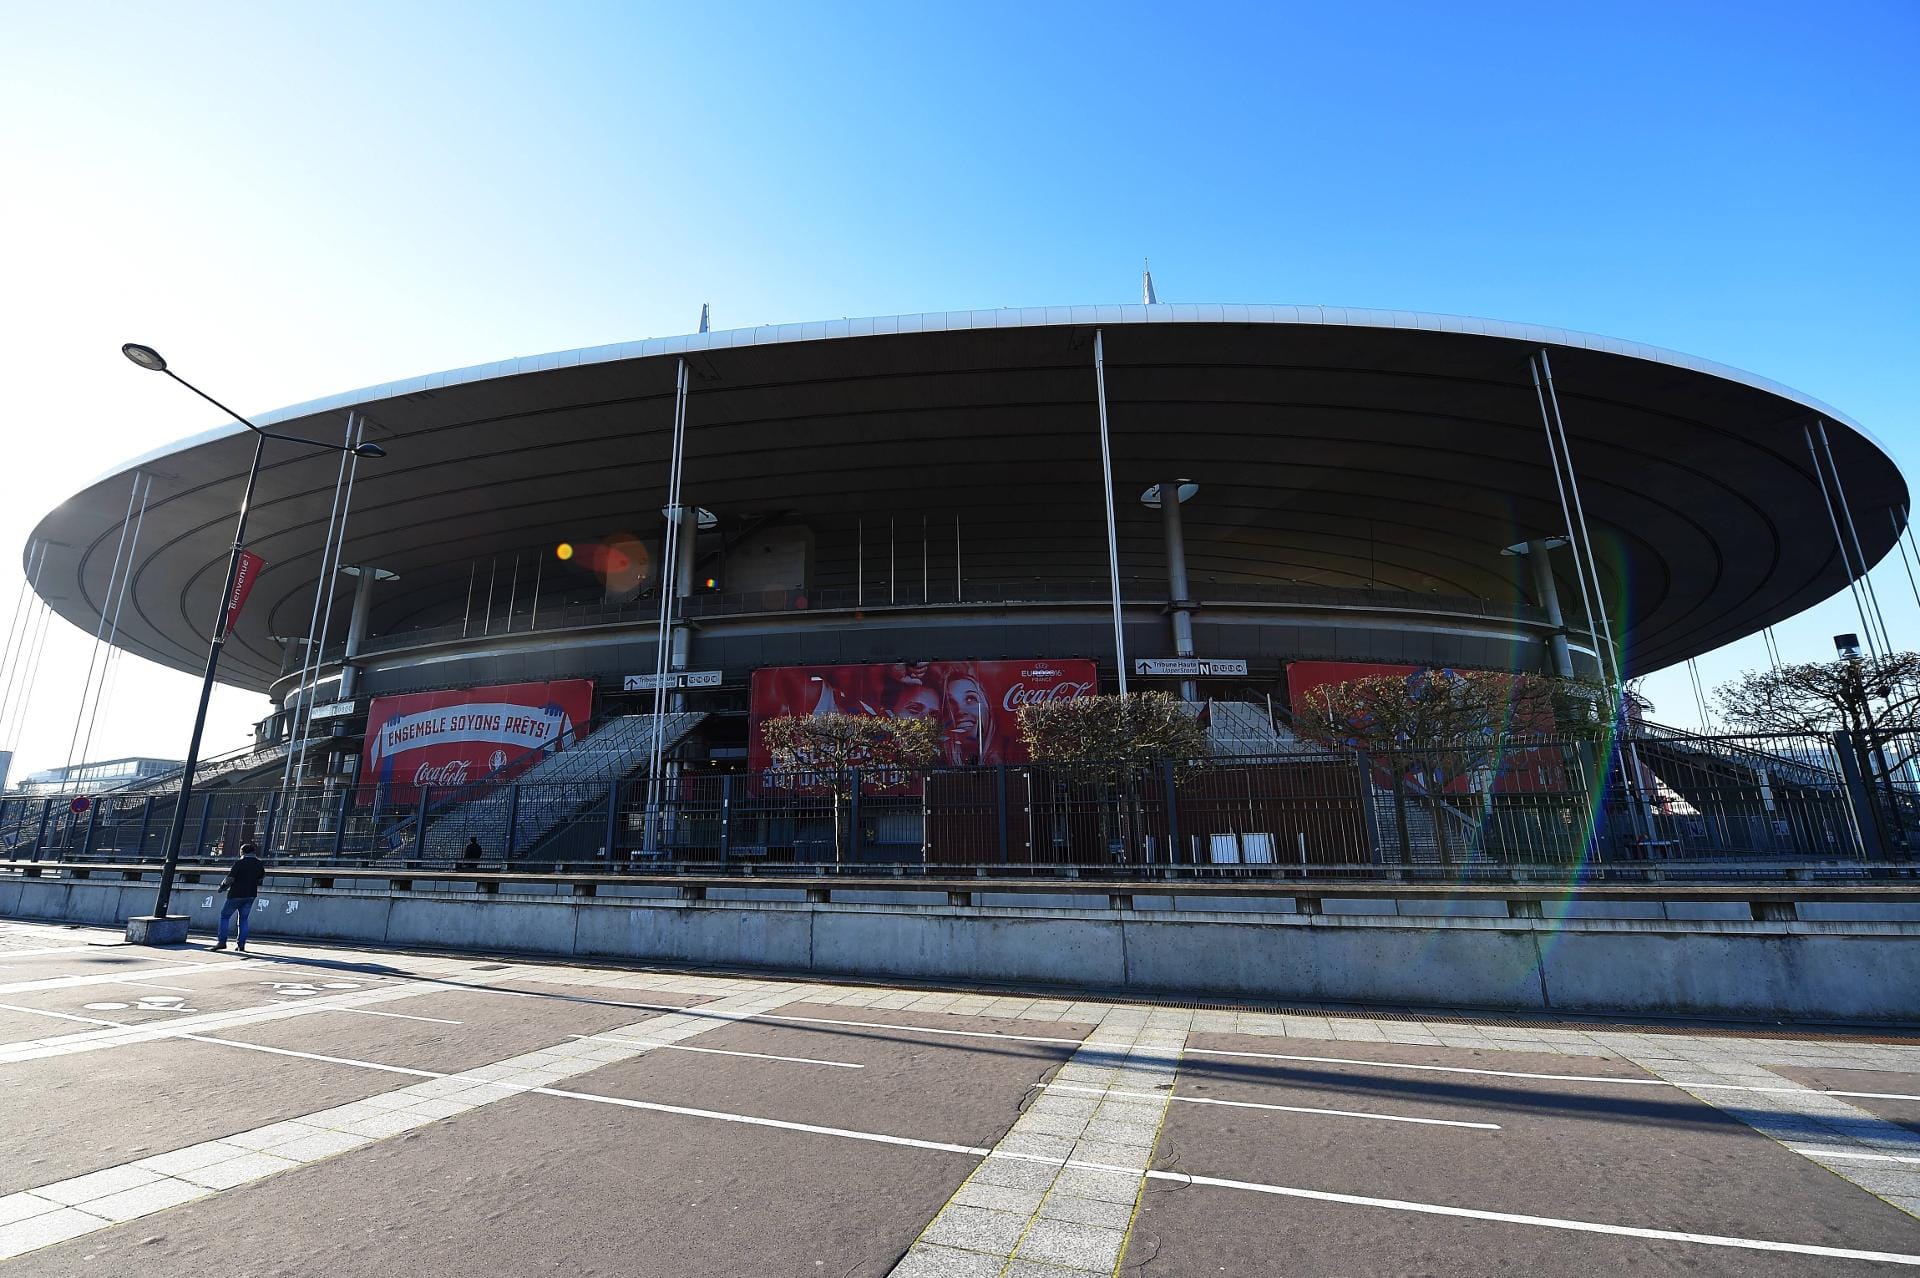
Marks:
<point>245,573</point>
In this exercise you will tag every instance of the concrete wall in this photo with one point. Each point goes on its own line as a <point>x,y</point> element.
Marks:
<point>1829,969</point>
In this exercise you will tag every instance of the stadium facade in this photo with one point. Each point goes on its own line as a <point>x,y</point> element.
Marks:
<point>910,514</point>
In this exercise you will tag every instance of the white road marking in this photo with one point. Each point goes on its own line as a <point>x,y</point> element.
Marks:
<point>1285,1109</point>
<point>1543,1222</point>
<point>57,949</point>
<point>128,1035</point>
<point>715,1051</point>
<point>1285,1191</point>
<point>1556,1078</point>
<point>60,1016</point>
<point>398,1016</point>
<point>96,978</point>
<point>85,1204</point>
<point>1848,1153</point>
<point>309,1056</point>
<point>178,989</point>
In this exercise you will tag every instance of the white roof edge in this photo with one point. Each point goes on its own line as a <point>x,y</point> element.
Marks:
<point>1007,317</point>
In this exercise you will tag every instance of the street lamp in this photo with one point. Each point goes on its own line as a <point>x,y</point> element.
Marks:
<point>158,930</point>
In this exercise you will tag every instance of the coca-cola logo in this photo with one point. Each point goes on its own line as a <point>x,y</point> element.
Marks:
<point>452,772</point>
<point>1021,695</point>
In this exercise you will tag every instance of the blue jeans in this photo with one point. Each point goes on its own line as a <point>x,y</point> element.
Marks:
<point>245,907</point>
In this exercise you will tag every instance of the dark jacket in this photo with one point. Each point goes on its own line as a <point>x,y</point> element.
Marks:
<point>243,880</point>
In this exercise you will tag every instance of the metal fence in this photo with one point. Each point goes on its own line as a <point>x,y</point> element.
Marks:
<point>1535,802</point>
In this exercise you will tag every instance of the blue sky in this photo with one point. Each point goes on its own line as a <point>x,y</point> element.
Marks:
<point>292,200</point>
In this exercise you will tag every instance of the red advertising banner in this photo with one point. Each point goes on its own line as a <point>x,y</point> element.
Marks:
<point>974,702</point>
<point>446,739</point>
<point>245,573</point>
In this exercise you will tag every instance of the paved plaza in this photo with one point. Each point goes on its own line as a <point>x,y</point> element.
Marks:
<point>340,1112</point>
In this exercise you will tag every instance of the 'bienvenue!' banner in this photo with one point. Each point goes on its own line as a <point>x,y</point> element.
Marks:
<point>446,739</point>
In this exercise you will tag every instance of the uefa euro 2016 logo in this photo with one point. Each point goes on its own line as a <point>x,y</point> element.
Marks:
<point>497,760</point>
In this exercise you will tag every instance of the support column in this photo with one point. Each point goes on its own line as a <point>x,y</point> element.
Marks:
<point>1547,591</point>
<point>684,551</point>
<point>1113,537</point>
<point>366,576</point>
<point>1179,599</point>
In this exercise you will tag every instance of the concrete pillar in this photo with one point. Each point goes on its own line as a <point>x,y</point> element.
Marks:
<point>1179,599</point>
<point>364,577</point>
<point>680,644</point>
<point>1548,594</point>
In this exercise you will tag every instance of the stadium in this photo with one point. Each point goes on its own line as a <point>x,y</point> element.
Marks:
<point>945,514</point>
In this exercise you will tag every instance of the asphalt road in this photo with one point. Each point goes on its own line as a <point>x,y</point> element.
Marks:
<point>315,1111</point>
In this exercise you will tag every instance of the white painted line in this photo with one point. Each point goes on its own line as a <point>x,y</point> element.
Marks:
<point>751,1120</point>
<point>57,949</point>
<point>715,1051</point>
<point>1286,1191</point>
<point>61,1016</point>
<point>1555,1078</point>
<point>1285,1109</point>
<point>398,1016</point>
<point>98,978</point>
<point>913,1029</point>
<point>155,985</point>
<point>1182,1178</point>
<point>1543,1222</point>
<point>1847,1153</point>
<point>308,1056</point>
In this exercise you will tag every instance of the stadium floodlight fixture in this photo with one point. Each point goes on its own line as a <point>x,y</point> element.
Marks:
<point>145,356</point>
<point>150,359</point>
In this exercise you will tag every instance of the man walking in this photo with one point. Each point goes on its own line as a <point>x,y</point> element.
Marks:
<point>243,889</point>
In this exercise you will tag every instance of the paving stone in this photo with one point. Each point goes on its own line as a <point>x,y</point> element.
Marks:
<point>1015,1173</point>
<point>16,1207</point>
<point>81,1189</point>
<point>1073,1246</point>
<point>976,1229</point>
<point>1087,1211</point>
<point>238,1171</point>
<point>44,1230</point>
<point>999,1197</point>
<point>928,1261</point>
<point>131,1204</point>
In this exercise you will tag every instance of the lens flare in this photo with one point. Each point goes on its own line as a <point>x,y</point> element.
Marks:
<point>564,550</point>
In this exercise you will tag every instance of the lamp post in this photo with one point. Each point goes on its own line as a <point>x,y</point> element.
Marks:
<point>159,930</point>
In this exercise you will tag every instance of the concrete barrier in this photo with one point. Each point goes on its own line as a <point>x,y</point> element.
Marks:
<point>1633,957</point>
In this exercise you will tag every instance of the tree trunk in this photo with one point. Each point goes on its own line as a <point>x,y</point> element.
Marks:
<point>1436,800</point>
<point>1400,817</point>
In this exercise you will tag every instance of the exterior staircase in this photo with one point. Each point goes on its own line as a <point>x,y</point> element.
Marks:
<point>552,791</point>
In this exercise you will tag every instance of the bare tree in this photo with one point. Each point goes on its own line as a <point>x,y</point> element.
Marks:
<point>1106,741</point>
<point>1438,726</point>
<point>1143,727</point>
<point>829,751</point>
<point>1874,700</point>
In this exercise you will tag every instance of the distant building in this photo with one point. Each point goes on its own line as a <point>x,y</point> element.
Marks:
<point>107,774</point>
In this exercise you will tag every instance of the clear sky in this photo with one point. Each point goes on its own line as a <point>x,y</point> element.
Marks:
<point>291,200</point>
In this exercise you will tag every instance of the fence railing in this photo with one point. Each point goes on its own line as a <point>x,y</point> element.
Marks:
<point>1542,803</point>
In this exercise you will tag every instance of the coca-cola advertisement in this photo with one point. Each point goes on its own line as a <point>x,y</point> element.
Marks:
<point>976,703</point>
<point>447,739</point>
